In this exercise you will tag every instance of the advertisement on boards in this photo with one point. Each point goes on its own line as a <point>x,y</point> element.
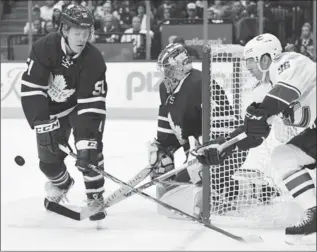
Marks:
<point>218,33</point>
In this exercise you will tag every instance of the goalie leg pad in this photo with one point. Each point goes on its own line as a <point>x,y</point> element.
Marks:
<point>188,198</point>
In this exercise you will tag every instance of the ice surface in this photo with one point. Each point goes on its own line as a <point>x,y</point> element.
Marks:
<point>133,224</point>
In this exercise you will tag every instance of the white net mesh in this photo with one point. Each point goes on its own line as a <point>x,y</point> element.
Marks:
<point>245,189</point>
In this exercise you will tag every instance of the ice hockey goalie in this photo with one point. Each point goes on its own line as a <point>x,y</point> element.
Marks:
<point>179,119</point>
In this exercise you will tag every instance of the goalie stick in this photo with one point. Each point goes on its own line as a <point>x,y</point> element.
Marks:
<point>167,206</point>
<point>120,194</point>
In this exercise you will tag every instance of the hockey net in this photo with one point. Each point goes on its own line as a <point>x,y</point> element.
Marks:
<point>240,189</point>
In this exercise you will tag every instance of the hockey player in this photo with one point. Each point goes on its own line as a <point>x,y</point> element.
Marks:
<point>64,89</point>
<point>293,96</point>
<point>180,117</point>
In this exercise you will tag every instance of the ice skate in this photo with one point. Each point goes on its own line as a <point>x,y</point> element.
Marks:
<point>304,232</point>
<point>56,194</point>
<point>96,205</point>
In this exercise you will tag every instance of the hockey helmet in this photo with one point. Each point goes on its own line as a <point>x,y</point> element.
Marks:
<point>77,16</point>
<point>262,44</point>
<point>174,61</point>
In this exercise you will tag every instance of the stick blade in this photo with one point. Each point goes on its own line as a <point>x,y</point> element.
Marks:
<point>61,210</point>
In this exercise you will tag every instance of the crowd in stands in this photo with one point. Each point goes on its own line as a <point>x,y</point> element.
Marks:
<point>120,21</point>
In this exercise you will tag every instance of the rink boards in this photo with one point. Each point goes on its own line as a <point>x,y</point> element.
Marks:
<point>132,89</point>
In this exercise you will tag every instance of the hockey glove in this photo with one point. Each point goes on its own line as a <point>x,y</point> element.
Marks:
<point>212,155</point>
<point>86,154</point>
<point>255,122</point>
<point>49,134</point>
<point>160,158</point>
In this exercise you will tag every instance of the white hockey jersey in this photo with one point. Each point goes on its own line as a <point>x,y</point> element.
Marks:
<point>293,76</point>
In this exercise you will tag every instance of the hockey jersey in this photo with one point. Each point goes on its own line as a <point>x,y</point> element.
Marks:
<point>54,84</point>
<point>293,76</point>
<point>180,112</point>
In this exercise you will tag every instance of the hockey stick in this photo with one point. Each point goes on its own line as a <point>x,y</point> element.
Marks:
<point>113,198</point>
<point>221,147</point>
<point>167,206</point>
<point>120,194</point>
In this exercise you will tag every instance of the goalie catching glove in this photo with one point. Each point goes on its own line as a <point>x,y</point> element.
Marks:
<point>160,158</point>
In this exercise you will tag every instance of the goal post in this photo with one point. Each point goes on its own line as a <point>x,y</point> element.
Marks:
<point>206,110</point>
<point>239,189</point>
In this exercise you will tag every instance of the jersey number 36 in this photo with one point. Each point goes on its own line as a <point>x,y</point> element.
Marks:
<point>283,67</point>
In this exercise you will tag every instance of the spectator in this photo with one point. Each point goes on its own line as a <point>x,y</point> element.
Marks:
<point>191,51</point>
<point>180,11</point>
<point>47,10</point>
<point>37,27</point>
<point>251,9</point>
<point>237,11</point>
<point>191,11</point>
<point>166,17</point>
<point>137,36</point>
<point>305,44</point>
<point>124,15</point>
<point>107,8</point>
<point>116,5</point>
<point>200,8</point>
<point>49,27</point>
<point>57,12</point>
<point>167,4</point>
<point>212,15</point>
<point>99,11</point>
<point>143,16</point>
<point>219,10</point>
<point>107,32</point>
<point>36,14</point>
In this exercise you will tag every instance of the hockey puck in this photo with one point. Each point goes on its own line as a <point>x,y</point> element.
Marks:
<point>19,160</point>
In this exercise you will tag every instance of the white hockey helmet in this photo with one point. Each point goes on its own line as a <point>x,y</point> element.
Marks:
<point>262,44</point>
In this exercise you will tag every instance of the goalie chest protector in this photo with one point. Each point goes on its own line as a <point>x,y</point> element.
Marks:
<point>180,111</point>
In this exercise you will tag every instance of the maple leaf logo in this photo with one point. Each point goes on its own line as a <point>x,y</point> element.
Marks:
<point>177,130</point>
<point>57,88</point>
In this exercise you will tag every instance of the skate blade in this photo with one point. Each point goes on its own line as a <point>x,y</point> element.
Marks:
<point>301,239</point>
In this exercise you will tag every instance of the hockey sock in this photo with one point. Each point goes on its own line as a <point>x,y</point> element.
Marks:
<point>302,188</point>
<point>94,182</point>
<point>56,173</point>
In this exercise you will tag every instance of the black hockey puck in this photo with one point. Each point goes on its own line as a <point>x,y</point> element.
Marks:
<point>19,160</point>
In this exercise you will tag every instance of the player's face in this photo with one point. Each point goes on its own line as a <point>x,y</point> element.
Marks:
<point>252,66</point>
<point>77,39</point>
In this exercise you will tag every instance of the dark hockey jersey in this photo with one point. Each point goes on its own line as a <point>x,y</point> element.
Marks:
<point>54,84</point>
<point>180,113</point>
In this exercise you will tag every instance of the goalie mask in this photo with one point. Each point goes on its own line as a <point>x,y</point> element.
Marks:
<point>175,62</point>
